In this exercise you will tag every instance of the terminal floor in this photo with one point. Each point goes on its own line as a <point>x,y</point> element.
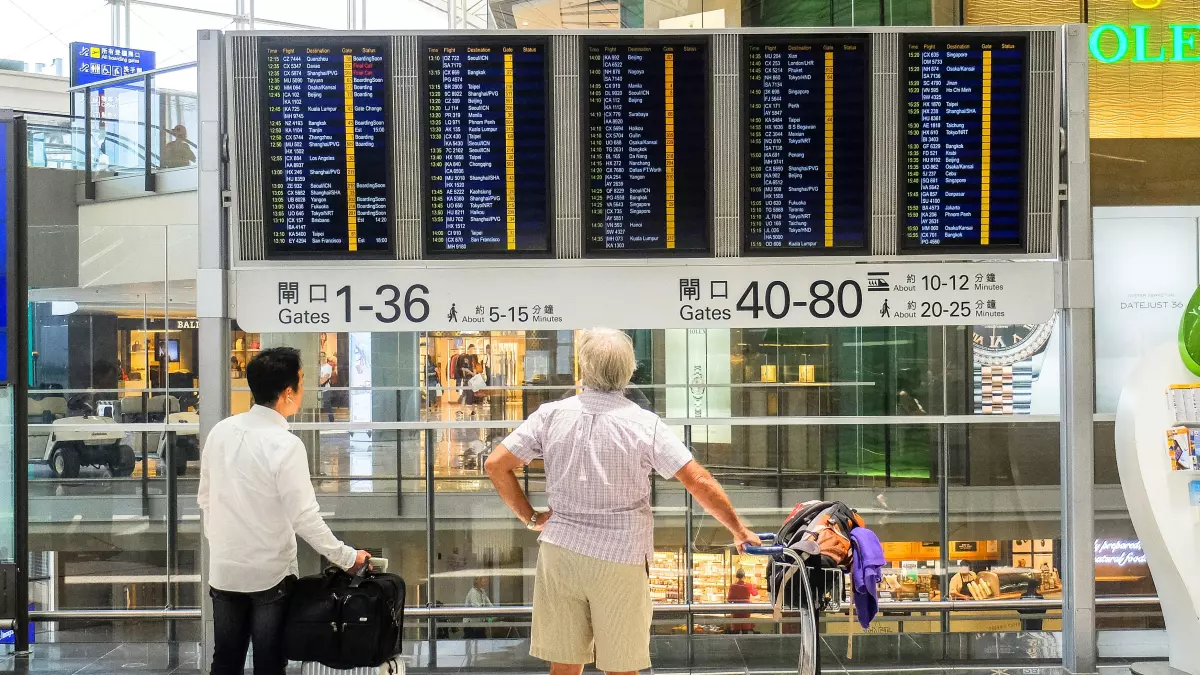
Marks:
<point>183,659</point>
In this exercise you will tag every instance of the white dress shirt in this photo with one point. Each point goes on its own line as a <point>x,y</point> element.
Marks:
<point>478,598</point>
<point>600,448</point>
<point>256,496</point>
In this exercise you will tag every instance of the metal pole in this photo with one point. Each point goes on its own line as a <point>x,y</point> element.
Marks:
<point>19,374</point>
<point>148,139</point>
<point>688,582</point>
<point>1076,354</point>
<point>114,22</point>
<point>169,459</point>
<point>212,308</point>
<point>943,478</point>
<point>128,41</point>
<point>430,543</point>
<point>89,185</point>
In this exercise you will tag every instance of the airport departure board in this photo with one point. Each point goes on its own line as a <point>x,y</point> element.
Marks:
<point>487,178</point>
<point>965,99</point>
<point>807,136</point>
<point>647,144</point>
<point>326,142</point>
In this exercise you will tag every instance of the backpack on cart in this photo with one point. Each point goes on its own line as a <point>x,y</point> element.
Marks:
<point>345,621</point>
<point>820,532</point>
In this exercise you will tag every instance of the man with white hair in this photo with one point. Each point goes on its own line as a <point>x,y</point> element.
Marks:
<point>591,595</point>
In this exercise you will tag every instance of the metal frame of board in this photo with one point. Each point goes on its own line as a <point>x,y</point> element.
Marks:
<point>1059,172</point>
<point>567,197</point>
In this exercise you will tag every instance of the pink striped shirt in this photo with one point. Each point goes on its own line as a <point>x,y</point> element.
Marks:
<point>599,449</point>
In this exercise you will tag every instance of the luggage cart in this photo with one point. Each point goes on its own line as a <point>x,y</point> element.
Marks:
<point>796,584</point>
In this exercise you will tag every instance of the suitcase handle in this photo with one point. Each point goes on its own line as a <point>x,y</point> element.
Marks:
<point>361,574</point>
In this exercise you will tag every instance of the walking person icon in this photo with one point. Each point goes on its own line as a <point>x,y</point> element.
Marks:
<point>453,316</point>
<point>885,311</point>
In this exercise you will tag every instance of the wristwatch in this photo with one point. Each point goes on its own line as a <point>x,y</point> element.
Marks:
<point>1008,360</point>
<point>532,524</point>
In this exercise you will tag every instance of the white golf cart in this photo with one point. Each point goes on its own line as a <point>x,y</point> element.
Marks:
<point>67,449</point>
<point>162,408</point>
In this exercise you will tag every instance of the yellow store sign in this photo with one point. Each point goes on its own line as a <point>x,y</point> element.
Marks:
<point>1145,68</point>
<point>1145,59</point>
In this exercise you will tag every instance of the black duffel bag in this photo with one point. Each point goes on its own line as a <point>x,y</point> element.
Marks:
<point>345,621</point>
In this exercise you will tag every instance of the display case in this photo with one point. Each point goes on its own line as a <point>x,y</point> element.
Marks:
<point>244,346</point>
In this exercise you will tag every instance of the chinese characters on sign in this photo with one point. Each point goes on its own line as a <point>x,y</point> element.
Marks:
<point>670,296</point>
<point>93,63</point>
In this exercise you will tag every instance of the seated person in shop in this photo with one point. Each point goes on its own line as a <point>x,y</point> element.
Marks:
<point>591,593</point>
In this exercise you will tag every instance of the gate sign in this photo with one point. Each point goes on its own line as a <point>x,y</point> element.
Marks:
<point>642,296</point>
<point>93,63</point>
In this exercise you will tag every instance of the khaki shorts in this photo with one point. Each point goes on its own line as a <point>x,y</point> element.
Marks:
<point>587,609</point>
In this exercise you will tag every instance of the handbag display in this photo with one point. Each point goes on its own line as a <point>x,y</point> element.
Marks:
<point>345,621</point>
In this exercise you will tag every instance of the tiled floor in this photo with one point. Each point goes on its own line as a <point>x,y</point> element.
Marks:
<point>183,659</point>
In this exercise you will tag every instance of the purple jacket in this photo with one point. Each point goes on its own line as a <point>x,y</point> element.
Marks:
<point>865,573</point>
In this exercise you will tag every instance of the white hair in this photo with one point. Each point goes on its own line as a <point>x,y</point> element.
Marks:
<point>606,359</point>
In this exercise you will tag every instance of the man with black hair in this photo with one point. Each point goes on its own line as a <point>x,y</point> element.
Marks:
<point>256,496</point>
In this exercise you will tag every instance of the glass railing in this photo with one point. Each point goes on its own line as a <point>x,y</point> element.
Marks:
<point>139,124</point>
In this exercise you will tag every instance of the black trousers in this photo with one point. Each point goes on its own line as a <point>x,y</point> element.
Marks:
<point>242,618</point>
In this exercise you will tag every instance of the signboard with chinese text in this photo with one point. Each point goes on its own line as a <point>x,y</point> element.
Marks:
<point>93,63</point>
<point>640,296</point>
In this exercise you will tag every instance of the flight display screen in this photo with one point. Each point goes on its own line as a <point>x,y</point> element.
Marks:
<point>487,141</point>
<point>808,139</point>
<point>965,99</point>
<point>326,143</point>
<point>647,146</point>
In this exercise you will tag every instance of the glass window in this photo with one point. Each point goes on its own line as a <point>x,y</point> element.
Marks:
<point>329,14</point>
<point>399,15</point>
<point>7,476</point>
<point>170,33</point>
<point>34,32</point>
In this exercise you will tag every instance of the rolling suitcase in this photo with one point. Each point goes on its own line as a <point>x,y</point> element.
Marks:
<point>342,624</point>
<point>392,667</point>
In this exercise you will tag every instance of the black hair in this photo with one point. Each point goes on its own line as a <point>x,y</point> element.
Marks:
<point>271,372</point>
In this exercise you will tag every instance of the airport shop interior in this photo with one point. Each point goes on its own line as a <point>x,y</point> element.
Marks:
<point>856,327</point>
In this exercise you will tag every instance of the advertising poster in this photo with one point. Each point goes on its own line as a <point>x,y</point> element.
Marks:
<point>1016,369</point>
<point>360,382</point>
<point>1146,262</point>
<point>699,359</point>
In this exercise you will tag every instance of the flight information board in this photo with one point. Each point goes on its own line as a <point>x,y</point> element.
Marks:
<point>808,140</point>
<point>964,141</point>
<point>326,143</point>
<point>487,175</point>
<point>647,146</point>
